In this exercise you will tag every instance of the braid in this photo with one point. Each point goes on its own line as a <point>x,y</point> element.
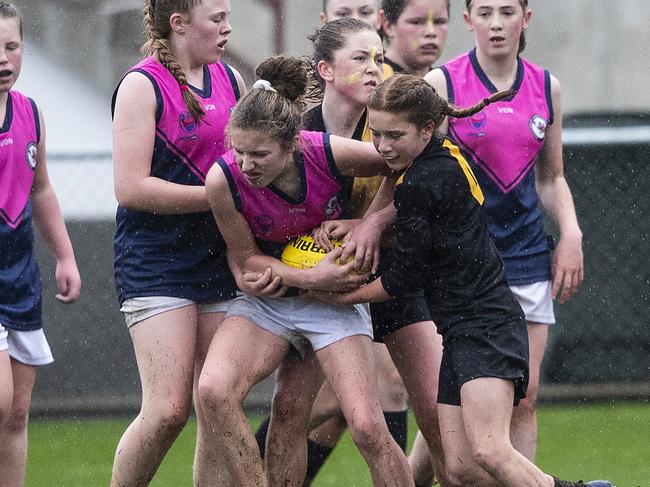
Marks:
<point>452,111</point>
<point>148,12</point>
<point>418,100</point>
<point>158,45</point>
<point>167,59</point>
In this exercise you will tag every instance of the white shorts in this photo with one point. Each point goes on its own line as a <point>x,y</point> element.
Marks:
<point>302,322</point>
<point>138,309</point>
<point>535,299</point>
<point>29,347</point>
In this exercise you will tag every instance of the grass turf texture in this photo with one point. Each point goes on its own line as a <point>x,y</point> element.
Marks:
<point>593,441</point>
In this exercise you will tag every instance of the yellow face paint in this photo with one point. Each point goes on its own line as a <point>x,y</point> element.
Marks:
<point>352,78</point>
<point>430,19</point>
<point>373,57</point>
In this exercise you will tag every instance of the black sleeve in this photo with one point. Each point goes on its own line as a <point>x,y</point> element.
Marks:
<point>414,239</point>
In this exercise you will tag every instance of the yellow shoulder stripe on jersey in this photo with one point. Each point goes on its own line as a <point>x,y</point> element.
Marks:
<point>400,179</point>
<point>473,183</point>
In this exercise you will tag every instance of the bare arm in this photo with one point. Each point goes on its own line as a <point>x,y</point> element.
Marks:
<point>48,220</point>
<point>134,131</point>
<point>436,78</point>
<point>371,293</point>
<point>358,159</point>
<point>367,235</point>
<point>257,284</point>
<point>240,82</point>
<point>245,253</point>
<point>555,197</point>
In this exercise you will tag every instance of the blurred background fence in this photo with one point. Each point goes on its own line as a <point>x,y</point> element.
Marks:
<point>599,349</point>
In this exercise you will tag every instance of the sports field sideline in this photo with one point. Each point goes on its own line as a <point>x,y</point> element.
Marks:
<point>609,440</point>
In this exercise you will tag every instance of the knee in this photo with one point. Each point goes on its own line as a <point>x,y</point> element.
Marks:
<point>170,417</point>
<point>489,456</point>
<point>15,420</point>
<point>459,474</point>
<point>215,396</point>
<point>367,433</point>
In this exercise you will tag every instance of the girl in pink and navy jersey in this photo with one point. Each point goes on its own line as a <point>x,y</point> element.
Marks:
<point>25,195</point>
<point>171,272</point>
<point>279,182</point>
<point>515,150</point>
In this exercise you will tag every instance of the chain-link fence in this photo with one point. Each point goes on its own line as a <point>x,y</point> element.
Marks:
<point>601,345</point>
<point>604,333</point>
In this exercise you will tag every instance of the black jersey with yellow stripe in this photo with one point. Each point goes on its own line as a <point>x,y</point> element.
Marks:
<point>442,243</point>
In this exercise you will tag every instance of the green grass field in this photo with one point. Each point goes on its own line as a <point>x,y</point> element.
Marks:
<point>594,441</point>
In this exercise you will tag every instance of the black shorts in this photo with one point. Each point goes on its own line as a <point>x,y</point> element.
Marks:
<point>499,350</point>
<point>394,314</point>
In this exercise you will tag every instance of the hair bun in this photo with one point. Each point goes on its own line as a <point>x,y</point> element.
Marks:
<point>287,75</point>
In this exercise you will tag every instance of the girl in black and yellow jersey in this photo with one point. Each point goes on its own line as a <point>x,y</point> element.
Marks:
<point>443,245</point>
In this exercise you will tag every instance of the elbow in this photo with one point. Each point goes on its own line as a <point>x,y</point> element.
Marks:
<point>127,198</point>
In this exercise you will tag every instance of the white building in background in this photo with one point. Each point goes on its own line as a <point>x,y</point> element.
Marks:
<point>596,48</point>
<point>78,135</point>
<point>79,49</point>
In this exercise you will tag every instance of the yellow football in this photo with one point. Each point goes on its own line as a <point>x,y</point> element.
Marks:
<point>302,252</point>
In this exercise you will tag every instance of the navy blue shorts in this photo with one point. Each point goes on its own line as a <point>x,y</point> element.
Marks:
<point>498,350</point>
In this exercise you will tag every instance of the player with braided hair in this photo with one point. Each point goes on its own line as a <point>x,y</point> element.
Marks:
<point>516,153</point>
<point>172,277</point>
<point>443,245</point>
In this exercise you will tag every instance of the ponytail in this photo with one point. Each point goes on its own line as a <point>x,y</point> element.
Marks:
<point>277,102</point>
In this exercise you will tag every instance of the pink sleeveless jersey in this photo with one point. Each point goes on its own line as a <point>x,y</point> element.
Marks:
<point>504,138</point>
<point>274,216</point>
<point>195,144</point>
<point>502,143</point>
<point>178,255</point>
<point>19,137</point>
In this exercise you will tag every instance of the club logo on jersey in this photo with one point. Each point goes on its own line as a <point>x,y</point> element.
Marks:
<point>30,154</point>
<point>332,207</point>
<point>477,121</point>
<point>264,223</point>
<point>187,122</point>
<point>538,127</point>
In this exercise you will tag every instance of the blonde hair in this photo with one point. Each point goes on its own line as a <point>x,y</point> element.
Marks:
<point>158,29</point>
